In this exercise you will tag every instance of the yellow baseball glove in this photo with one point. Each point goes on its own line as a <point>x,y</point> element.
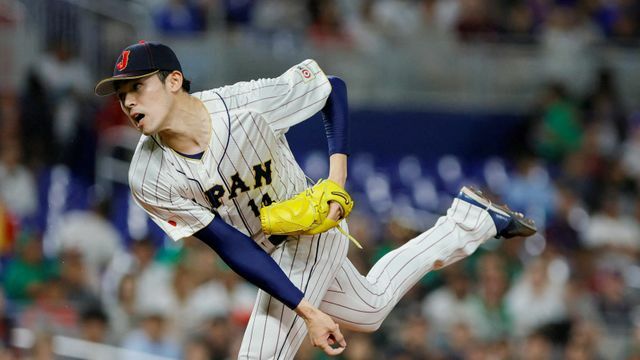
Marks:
<point>306,213</point>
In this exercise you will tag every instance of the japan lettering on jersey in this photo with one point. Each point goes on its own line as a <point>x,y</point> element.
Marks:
<point>247,164</point>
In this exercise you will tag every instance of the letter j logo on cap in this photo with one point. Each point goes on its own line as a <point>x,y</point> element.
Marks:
<point>124,61</point>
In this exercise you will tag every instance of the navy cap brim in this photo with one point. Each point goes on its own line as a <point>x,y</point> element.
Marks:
<point>107,86</point>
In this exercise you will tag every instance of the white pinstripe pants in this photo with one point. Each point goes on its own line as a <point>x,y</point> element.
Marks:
<point>319,266</point>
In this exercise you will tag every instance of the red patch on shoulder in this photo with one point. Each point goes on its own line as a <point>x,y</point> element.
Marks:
<point>172,223</point>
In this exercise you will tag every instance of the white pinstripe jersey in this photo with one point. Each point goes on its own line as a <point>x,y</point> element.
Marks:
<point>247,163</point>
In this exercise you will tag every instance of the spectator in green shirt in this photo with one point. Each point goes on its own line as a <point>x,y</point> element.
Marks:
<point>28,270</point>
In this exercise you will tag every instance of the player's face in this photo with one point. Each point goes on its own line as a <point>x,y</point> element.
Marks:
<point>146,102</point>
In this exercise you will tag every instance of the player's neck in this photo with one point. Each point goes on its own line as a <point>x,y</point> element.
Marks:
<point>188,126</point>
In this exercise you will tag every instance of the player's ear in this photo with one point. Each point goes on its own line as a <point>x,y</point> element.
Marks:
<point>174,81</point>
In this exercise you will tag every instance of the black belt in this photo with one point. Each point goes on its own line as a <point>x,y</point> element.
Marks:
<point>277,239</point>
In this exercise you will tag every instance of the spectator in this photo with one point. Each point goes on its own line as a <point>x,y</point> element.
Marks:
<point>585,335</point>
<point>559,128</point>
<point>536,298</point>
<point>369,35</point>
<point>633,351</point>
<point>414,338</point>
<point>51,311</point>
<point>631,153</point>
<point>536,347</point>
<point>460,341</point>
<point>43,347</point>
<point>520,23</point>
<point>94,326</point>
<point>395,21</point>
<point>68,83</point>
<point>211,291</point>
<point>151,336</point>
<point>450,304</point>
<point>219,333</point>
<point>530,189</point>
<point>568,35</point>
<point>604,107</point>
<point>8,231</point>
<point>184,319</point>
<point>491,320</point>
<point>36,122</point>
<point>28,272</point>
<point>93,235</point>
<point>361,347</point>
<point>611,230</point>
<point>614,303</point>
<point>17,184</point>
<point>152,279</point>
<point>6,323</point>
<point>122,311</point>
<point>475,21</point>
<point>180,17</point>
<point>617,20</point>
<point>238,13</point>
<point>562,230</point>
<point>285,18</point>
<point>447,13</point>
<point>327,27</point>
<point>110,115</point>
<point>197,348</point>
<point>75,280</point>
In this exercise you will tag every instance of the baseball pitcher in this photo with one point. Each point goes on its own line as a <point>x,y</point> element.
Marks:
<point>216,165</point>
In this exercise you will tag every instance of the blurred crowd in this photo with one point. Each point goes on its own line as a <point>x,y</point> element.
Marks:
<point>382,22</point>
<point>569,293</point>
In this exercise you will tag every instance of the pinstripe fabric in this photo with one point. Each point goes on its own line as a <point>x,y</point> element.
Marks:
<point>363,302</point>
<point>275,332</point>
<point>248,162</point>
<point>358,302</point>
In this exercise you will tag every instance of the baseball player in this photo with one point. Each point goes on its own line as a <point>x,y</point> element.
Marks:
<point>216,165</point>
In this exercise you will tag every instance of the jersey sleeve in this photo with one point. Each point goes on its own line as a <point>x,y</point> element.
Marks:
<point>288,99</point>
<point>152,189</point>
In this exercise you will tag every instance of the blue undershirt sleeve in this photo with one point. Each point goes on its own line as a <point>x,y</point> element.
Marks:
<point>335,115</point>
<point>248,260</point>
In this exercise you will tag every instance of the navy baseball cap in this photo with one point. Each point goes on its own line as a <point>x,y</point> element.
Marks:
<point>137,61</point>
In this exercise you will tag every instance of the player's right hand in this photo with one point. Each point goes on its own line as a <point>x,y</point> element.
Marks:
<point>324,333</point>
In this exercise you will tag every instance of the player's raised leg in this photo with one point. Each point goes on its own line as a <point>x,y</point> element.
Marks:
<point>275,331</point>
<point>363,302</point>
